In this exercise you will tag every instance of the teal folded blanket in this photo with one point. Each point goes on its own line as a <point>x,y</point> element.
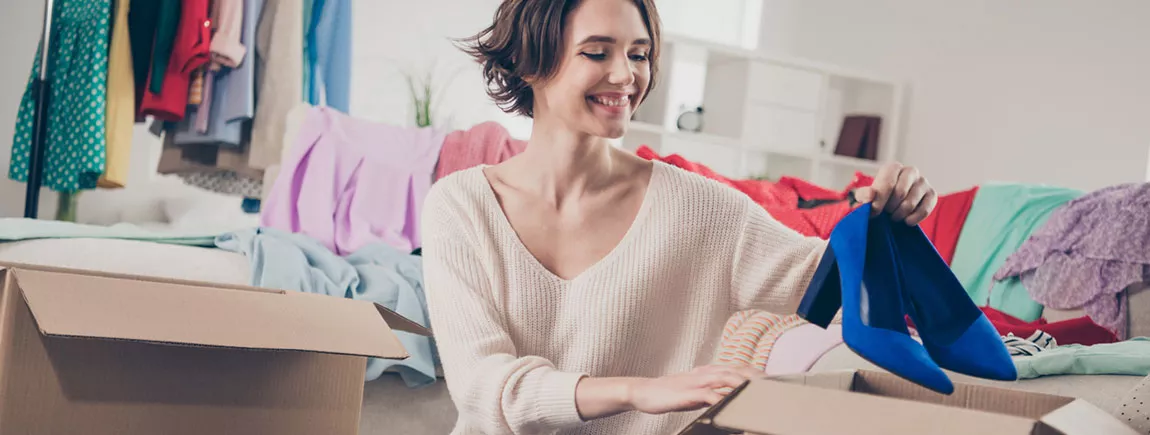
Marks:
<point>16,229</point>
<point>1001,218</point>
<point>1130,357</point>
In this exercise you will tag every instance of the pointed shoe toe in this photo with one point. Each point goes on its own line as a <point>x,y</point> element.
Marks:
<point>871,297</point>
<point>954,331</point>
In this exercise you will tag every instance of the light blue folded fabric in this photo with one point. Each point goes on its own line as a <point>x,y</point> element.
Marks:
<point>1130,357</point>
<point>16,229</point>
<point>378,273</point>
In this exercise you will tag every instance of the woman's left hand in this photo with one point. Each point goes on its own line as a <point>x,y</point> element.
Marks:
<point>902,192</point>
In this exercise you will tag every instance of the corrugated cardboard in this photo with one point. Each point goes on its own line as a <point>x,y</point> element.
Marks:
<point>863,402</point>
<point>103,354</point>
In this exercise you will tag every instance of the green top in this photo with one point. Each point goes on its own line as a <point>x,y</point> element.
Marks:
<point>166,26</point>
<point>1001,218</point>
<point>75,146</point>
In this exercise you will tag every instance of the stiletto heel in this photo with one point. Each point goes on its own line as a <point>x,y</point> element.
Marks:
<point>955,333</point>
<point>824,295</point>
<point>874,324</point>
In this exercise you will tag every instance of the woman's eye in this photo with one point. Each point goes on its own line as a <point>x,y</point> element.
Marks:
<point>595,56</point>
<point>639,57</point>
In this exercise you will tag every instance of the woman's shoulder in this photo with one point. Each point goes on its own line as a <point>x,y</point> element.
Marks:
<point>455,202</point>
<point>692,190</point>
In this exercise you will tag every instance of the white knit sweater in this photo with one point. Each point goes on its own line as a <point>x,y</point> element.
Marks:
<point>514,338</point>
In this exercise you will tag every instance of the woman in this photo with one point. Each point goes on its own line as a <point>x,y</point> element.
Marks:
<point>577,288</point>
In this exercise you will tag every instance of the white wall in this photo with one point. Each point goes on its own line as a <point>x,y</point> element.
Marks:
<point>1046,91</point>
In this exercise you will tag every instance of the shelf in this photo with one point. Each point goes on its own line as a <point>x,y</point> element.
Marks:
<point>763,115</point>
<point>852,162</point>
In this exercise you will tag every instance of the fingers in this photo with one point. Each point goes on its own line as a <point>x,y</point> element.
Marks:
<point>883,186</point>
<point>923,210</point>
<point>910,199</point>
<point>907,176</point>
<point>720,380</point>
<point>710,397</point>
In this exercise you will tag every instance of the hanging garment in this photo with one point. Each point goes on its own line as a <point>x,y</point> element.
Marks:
<point>167,28</point>
<point>327,70</point>
<point>1002,216</point>
<point>120,114</point>
<point>196,89</point>
<point>1087,254</point>
<point>143,21</point>
<point>190,51</point>
<point>279,58</point>
<point>231,21</point>
<point>232,84</point>
<point>486,143</point>
<point>183,159</point>
<point>225,183</point>
<point>349,182</point>
<point>75,146</point>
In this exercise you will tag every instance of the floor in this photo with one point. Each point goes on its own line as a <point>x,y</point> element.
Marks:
<point>390,407</point>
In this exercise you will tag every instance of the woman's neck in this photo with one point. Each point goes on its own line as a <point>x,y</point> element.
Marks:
<point>564,165</point>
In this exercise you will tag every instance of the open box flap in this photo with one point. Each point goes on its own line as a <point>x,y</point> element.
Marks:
<point>1081,418</point>
<point>767,406</point>
<point>399,323</point>
<point>102,307</point>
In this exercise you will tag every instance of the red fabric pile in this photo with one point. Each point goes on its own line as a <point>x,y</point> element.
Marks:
<point>781,199</point>
<point>1079,330</point>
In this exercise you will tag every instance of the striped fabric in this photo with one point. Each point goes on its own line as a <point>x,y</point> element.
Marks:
<point>1036,342</point>
<point>749,336</point>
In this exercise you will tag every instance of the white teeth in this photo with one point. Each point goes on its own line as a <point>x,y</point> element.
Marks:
<point>612,102</point>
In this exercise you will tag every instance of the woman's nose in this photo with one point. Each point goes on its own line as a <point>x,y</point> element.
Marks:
<point>621,71</point>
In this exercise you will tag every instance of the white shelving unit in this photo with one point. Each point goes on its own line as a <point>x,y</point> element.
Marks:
<point>763,116</point>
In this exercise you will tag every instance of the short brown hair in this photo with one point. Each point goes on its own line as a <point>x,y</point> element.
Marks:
<point>524,42</point>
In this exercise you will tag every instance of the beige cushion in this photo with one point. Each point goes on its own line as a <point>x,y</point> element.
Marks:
<point>1138,310</point>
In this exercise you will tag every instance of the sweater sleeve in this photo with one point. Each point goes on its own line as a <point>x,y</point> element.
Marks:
<point>493,387</point>
<point>772,264</point>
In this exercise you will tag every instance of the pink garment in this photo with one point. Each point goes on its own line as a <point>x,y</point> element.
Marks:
<point>797,350</point>
<point>487,143</point>
<point>350,182</point>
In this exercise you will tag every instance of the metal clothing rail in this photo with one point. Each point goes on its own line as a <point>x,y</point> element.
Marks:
<point>41,90</point>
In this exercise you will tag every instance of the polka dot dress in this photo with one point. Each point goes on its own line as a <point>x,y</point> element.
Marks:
<point>1133,411</point>
<point>75,146</point>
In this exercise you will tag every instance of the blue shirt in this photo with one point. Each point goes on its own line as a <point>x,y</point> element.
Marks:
<point>327,57</point>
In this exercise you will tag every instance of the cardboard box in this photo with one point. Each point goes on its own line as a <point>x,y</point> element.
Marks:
<point>863,402</point>
<point>102,354</point>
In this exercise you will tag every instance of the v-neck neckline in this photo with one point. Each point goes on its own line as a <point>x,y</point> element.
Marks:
<point>492,200</point>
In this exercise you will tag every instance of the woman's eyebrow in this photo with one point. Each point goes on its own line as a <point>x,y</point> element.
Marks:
<point>611,40</point>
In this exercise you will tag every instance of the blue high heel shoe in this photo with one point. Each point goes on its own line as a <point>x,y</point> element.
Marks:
<point>955,333</point>
<point>861,266</point>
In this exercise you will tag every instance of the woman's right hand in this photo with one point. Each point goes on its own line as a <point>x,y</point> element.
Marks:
<point>689,391</point>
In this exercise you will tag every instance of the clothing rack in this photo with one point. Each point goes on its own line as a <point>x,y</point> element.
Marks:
<point>41,90</point>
